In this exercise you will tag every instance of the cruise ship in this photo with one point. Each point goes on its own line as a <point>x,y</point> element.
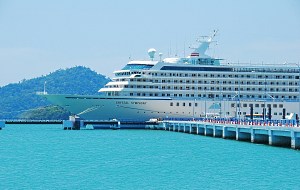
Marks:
<point>195,86</point>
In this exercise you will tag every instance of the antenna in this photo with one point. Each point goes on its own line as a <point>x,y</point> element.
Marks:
<point>184,49</point>
<point>170,49</point>
<point>214,34</point>
<point>176,50</point>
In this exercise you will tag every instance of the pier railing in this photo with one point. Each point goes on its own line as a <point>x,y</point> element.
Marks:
<point>256,122</point>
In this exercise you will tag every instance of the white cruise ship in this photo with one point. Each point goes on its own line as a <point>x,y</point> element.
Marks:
<point>191,87</point>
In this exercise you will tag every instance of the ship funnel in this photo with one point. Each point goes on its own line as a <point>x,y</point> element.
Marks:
<point>151,53</point>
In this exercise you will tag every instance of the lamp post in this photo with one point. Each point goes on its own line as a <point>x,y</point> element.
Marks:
<point>234,97</point>
<point>298,65</point>
<point>298,93</point>
<point>205,103</point>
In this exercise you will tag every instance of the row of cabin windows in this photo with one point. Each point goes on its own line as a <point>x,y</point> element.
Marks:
<point>213,82</point>
<point>232,105</point>
<point>239,113</point>
<point>224,75</point>
<point>245,113</point>
<point>244,105</point>
<point>296,89</point>
<point>183,104</point>
<point>211,96</point>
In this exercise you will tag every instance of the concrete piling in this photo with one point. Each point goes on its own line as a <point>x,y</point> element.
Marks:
<point>274,136</point>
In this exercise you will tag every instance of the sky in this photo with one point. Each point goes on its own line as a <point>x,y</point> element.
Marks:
<point>38,37</point>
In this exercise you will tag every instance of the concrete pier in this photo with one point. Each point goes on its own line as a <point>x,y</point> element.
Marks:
<point>75,123</point>
<point>270,135</point>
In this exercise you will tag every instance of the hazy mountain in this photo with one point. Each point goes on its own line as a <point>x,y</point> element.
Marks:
<point>18,98</point>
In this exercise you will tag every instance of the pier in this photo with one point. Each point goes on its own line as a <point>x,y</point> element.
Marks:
<point>75,123</point>
<point>33,122</point>
<point>284,136</point>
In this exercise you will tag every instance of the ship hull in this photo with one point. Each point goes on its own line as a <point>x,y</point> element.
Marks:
<point>124,108</point>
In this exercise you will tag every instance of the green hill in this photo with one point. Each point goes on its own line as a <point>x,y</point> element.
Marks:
<point>19,100</point>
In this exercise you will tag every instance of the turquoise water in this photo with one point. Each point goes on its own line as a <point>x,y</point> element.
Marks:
<point>47,157</point>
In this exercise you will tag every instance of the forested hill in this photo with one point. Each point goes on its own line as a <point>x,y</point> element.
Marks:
<point>15,99</point>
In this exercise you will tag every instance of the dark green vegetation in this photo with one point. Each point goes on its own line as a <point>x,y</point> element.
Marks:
<point>19,100</point>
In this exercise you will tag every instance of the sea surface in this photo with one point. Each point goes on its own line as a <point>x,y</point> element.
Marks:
<point>47,157</point>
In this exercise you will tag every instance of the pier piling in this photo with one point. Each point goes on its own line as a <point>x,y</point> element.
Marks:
<point>270,135</point>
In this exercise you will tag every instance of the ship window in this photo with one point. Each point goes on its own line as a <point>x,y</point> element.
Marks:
<point>177,104</point>
<point>171,104</point>
<point>196,104</point>
<point>232,105</point>
<point>244,105</point>
<point>190,104</point>
<point>280,105</point>
<point>257,105</point>
<point>185,68</point>
<point>183,104</point>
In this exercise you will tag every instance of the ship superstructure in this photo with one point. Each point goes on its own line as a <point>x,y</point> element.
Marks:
<point>189,87</point>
